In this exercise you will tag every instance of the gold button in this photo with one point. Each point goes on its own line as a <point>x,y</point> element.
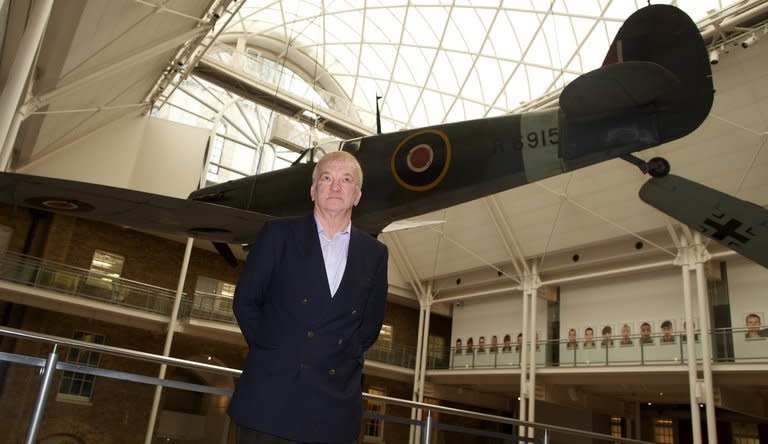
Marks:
<point>310,334</point>
<point>332,372</point>
<point>305,301</point>
<point>340,341</point>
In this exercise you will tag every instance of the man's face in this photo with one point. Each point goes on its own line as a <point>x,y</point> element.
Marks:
<point>589,334</point>
<point>571,335</point>
<point>645,330</point>
<point>494,341</point>
<point>481,341</point>
<point>625,331</point>
<point>607,335</point>
<point>336,189</point>
<point>667,331</point>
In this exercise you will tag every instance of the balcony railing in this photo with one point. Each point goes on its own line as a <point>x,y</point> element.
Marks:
<point>744,347</point>
<point>740,346</point>
<point>79,282</point>
<point>209,307</point>
<point>399,355</point>
<point>62,278</point>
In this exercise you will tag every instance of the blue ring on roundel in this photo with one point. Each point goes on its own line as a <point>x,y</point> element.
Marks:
<point>434,145</point>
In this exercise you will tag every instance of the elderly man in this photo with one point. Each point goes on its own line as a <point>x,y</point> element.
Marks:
<point>309,302</point>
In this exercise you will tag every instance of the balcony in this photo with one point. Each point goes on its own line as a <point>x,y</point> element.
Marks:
<point>730,345</point>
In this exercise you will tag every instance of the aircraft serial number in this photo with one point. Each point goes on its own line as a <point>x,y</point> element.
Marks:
<point>538,138</point>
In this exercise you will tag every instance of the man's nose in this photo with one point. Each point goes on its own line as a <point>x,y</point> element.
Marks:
<point>336,184</point>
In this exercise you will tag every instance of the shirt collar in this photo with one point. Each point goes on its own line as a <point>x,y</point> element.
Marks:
<point>321,230</point>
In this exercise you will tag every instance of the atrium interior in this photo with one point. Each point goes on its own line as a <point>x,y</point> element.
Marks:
<point>171,96</point>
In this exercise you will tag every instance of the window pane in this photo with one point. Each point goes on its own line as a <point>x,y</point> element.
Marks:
<point>79,384</point>
<point>664,431</point>
<point>385,337</point>
<point>374,426</point>
<point>105,267</point>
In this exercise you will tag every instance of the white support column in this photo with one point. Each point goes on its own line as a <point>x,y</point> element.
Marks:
<point>420,367</point>
<point>415,413</point>
<point>531,287</point>
<point>10,140</point>
<point>524,358</point>
<point>701,256</point>
<point>685,260</point>
<point>427,310</point>
<point>169,339</point>
<point>23,63</point>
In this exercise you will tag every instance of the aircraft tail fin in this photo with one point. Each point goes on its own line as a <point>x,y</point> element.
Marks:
<point>737,224</point>
<point>655,86</point>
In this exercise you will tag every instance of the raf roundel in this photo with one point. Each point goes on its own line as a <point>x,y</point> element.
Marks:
<point>60,204</point>
<point>421,160</point>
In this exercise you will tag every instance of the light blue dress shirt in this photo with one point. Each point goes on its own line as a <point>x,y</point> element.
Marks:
<point>334,254</point>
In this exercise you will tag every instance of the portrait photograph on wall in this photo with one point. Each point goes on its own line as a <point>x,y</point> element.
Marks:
<point>572,341</point>
<point>606,332</point>
<point>506,346</point>
<point>589,337</point>
<point>683,331</point>
<point>753,323</point>
<point>646,333</point>
<point>668,332</point>
<point>626,330</point>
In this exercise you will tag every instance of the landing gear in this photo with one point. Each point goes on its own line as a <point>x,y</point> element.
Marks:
<point>656,167</point>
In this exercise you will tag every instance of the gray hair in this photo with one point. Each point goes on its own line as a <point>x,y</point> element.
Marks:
<point>339,155</point>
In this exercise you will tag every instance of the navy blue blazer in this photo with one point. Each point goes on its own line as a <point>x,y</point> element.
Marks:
<point>302,377</point>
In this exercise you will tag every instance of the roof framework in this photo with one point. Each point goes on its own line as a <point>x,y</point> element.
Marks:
<point>431,62</point>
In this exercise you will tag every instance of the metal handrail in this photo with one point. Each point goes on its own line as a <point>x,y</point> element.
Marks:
<point>117,351</point>
<point>497,418</point>
<point>50,364</point>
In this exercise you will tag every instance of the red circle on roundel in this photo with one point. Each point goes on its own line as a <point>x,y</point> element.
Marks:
<point>420,158</point>
<point>60,205</point>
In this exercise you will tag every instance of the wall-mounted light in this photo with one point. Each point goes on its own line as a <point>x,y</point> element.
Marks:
<point>714,57</point>
<point>749,41</point>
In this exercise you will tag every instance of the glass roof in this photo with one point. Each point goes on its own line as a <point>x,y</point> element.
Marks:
<point>431,62</point>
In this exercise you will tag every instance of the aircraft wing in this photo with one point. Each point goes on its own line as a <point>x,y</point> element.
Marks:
<point>135,209</point>
<point>737,224</point>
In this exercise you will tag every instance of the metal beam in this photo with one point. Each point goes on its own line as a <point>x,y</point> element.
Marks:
<point>123,63</point>
<point>282,102</point>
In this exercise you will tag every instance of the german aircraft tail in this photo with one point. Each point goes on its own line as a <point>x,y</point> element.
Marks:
<point>655,86</point>
<point>735,223</point>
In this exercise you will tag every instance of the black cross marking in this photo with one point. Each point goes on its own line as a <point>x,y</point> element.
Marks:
<point>729,229</point>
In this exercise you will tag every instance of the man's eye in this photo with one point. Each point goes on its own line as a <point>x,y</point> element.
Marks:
<point>325,178</point>
<point>347,180</point>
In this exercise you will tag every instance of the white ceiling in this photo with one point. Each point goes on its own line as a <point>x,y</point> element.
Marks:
<point>103,60</point>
